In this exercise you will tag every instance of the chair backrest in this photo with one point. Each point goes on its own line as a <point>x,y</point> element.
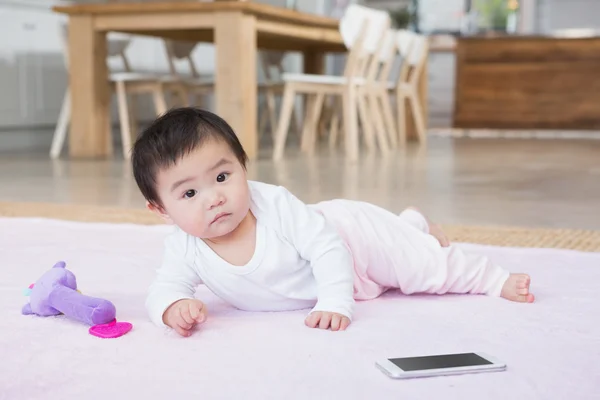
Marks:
<point>418,50</point>
<point>381,66</point>
<point>352,21</point>
<point>413,49</point>
<point>362,29</point>
<point>388,47</point>
<point>116,45</point>
<point>180,50</point>
<point>404,41</point>
<point>272,65</point>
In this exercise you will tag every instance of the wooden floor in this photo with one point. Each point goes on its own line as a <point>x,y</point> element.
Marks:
<point>511,182</point>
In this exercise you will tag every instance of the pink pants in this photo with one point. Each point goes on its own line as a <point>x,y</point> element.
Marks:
<point>396,251</point>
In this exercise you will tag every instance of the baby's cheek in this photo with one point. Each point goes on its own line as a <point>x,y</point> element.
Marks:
<point>241,202</point>
<point>199,226</point>
<point>192,224</point>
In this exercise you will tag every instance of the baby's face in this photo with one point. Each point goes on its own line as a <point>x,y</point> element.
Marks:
<point>206,193</point>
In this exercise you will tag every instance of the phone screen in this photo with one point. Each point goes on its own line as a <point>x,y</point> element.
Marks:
<point>442,361</point>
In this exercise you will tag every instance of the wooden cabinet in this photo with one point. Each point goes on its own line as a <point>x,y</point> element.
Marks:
<point>528,83</point>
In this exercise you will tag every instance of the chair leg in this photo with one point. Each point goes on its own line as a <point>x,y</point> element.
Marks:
<point>177,95</point>
<point>323,120</point>
<point>350,122</point>
<point>309,106</point>
<point>326,115</point>
<point>287,106</point>
<point>388,118</point>
<point>263,115</point>
<point>124,119</point>
<point>379,124</point>
<point>418,117</point>
<point>272,113</point>
<point>334,126</point>
<point>401,108</point>
<point>366,120</point>
<point>62,125</point>
<point>133,121</point>
<point>198,98</point>
<point>295,123</point>
<point>184,95</point>
<point>309,133</point>
<point>192,97</point>
<point>334,129</point>
<point>158,97</point>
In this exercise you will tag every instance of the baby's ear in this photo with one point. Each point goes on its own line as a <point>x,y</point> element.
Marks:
<point>158,210</point>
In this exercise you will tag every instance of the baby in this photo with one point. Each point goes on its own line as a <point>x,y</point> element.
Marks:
<point>260,248</point>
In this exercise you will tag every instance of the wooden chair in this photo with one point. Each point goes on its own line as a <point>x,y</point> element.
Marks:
<point>191,84</point>
<point>374,105</point>
<point>272,88</point>
<point>122,83</point>
<point>377,93</point>
<point>413,49</point>
<point>362,30</point>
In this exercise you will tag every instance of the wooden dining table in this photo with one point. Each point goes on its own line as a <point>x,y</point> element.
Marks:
<point>238,30</point>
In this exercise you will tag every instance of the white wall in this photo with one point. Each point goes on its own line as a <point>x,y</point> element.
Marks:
<point>441,15</point>
<point>553,15</point>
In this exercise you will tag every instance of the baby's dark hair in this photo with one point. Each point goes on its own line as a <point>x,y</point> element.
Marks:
<point>172,136</point>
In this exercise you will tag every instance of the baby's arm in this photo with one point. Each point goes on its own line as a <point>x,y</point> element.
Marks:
<point>330,258</point>
<point>175,279</point>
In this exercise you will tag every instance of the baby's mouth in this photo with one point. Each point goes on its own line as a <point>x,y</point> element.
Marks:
<point>219,217</point>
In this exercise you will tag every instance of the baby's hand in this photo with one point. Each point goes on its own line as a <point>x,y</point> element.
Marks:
<point>325,320</point>
<point>183,315</point>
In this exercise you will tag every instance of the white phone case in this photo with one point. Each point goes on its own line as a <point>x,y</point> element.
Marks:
<point>393,371</point>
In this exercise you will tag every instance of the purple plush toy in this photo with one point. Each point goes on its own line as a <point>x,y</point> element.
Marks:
<point>56,293</point>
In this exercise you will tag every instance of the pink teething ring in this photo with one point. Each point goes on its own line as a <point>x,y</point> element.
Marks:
<point>111,330</point>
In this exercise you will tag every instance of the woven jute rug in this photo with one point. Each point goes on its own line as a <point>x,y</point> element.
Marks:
<point>583,240</point>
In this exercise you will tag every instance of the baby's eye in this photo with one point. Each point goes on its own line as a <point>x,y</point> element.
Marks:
<point>222,177</point>
<point>189,194</point>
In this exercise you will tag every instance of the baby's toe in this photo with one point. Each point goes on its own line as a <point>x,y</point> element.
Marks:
<point>530,298</point>
<point>523,282</point>
<point>523,291</point>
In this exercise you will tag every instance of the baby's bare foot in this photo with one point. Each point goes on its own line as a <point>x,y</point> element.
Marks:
<point>516,288</point>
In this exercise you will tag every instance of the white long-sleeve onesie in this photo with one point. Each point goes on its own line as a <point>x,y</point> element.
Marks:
<point>322,256</point>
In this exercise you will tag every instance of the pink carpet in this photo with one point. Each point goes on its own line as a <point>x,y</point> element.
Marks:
<point>552,347</point>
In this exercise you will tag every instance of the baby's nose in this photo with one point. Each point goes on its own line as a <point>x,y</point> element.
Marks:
<point>217,202</point>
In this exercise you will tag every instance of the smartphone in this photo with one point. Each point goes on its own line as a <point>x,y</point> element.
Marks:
<point>437,365</point>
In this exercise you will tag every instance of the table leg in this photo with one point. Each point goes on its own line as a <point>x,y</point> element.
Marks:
<point>90,92</point>
<point>235,85</point>
<point>314,62</point>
